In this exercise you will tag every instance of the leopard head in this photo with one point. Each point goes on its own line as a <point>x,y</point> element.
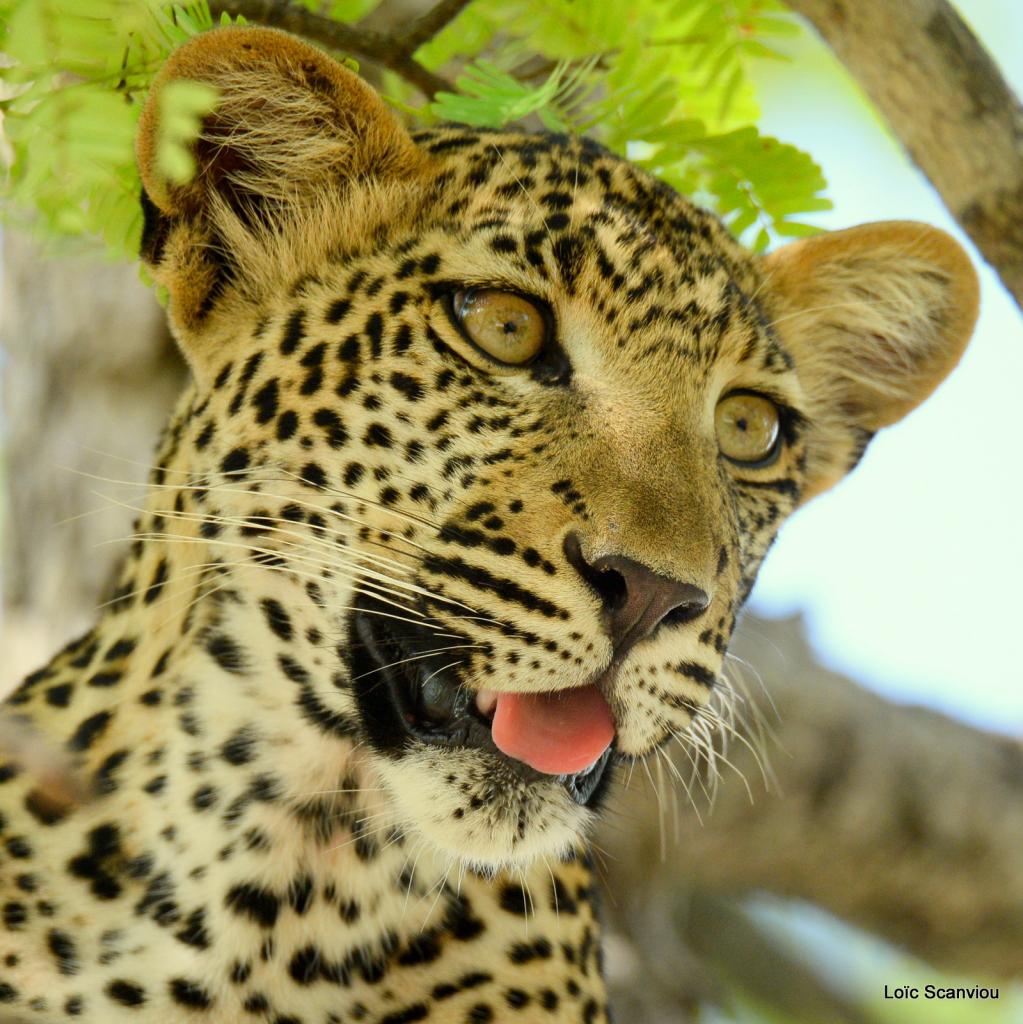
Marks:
<point>503,423</point>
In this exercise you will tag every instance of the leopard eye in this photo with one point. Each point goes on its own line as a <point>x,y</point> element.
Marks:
<point>505,326</point>
<point>748,427</point>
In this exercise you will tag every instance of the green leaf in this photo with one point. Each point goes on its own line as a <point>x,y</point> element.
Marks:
<point>490,97</point>
<point>183,104</point>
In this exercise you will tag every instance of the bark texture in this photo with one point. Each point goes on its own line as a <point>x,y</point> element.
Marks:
<point>946,101</point>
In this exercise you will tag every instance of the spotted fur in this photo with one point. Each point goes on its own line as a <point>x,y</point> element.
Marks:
<point>252,844</point>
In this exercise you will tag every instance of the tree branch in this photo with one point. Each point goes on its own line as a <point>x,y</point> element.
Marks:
<point>386,50</point>
<point>896,818</point>
<point>946,101</point>
<point>428,24</point>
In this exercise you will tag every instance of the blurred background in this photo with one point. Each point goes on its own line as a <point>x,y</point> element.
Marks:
<point>895,592</point>
<point>919,598</point>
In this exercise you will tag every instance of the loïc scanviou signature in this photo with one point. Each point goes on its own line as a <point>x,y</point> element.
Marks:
<point>939,992</point>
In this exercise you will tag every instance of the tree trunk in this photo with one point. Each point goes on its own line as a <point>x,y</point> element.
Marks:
<point>946,102</point>
<point>89,377</point>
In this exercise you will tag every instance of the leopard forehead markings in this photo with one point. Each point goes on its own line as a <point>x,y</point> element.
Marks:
<point>266,833</point>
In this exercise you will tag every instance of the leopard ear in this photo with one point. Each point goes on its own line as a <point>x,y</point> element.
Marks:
<point>291,126</point>
<point>875,318</point>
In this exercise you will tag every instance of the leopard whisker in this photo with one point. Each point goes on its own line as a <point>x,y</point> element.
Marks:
<point>416,657</point>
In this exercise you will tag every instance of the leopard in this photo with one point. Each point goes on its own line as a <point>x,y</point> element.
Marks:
<point>486,435</point>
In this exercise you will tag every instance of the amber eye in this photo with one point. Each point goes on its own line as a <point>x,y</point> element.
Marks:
<point>505,326</point>
<point>747,427</point>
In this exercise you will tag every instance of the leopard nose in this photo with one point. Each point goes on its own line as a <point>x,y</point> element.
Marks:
<point>636,600</point>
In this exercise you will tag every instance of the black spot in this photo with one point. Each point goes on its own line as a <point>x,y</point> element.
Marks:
<point>94,864</point>
<point>125,992</point>
<point>513,899</point>
<point>156,584</point>
<point>60,695</point>
<point>349,349</point>
<point>698,673</point>
<point>305,965</point>
<point>189,993</point>
<point>103,679</point>
<point>337,311</point>
<point>402,340</point>
<point>223,376</point>
<point>417,1011</point>
<point>330,423</point>
<point>314,475</point>
<point>204,797</point>
<point>409,386</point>
<point>106,781</point>
<point>62,946</point>
<point>266,401</point>
<point>287,425</point>
<point>256,1004</point>
<point>375,330</point>
<point>378,435</point>
<point>205,436</point>
<point>292,669</point>
<point>18,847</point>
<point>294,332</point>
<point>526,952</point>
<point>226,653</point>
<point>300,894</point>
<point>277,619</point>
<point>121,649</point>
<point>423,949</point>
<point>238,748</point>
<point>194,932</point>
<point>255,902</point>
<point>235,461</point>
<point>156,785</point>
<point>89,730</point>
<point>15,914</point>
<point>461,922</point>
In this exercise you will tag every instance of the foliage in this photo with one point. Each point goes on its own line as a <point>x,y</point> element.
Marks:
<point>80,70</point>
<point>662,81</point>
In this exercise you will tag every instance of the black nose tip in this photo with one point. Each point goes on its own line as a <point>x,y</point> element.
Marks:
<point>636,599</point>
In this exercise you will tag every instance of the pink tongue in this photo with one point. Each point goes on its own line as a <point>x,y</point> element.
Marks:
<point>555,733</point>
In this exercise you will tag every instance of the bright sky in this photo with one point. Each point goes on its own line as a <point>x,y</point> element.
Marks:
<point>909,572</point>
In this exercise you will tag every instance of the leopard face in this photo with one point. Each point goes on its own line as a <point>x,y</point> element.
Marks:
<point>491,431</point>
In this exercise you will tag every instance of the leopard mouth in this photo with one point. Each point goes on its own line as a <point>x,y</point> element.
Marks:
<point>407,686</point>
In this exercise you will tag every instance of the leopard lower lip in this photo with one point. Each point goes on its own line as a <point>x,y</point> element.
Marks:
<point>407,691</point>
